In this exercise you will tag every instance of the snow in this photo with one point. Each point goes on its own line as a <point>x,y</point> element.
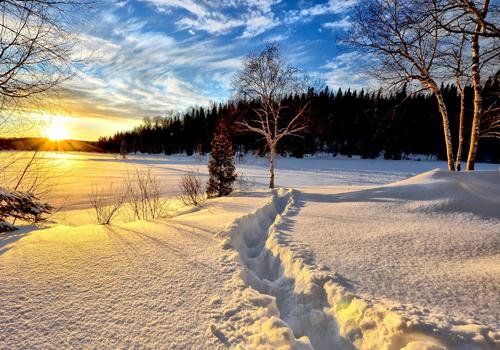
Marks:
<point>350,254</point>
<point>323,308</point>
<point>140,284</point>
<point>75,173</point>
<point>431,242</point>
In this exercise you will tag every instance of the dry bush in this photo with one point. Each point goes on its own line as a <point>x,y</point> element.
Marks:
<point>144,196</point>
<point>106,203</point>
<point>243,183</point>
<point>192,191</point>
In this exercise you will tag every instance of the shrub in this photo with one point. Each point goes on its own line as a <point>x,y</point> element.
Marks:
<point>144,196</point>
<point>106,204</point>
<point>243,183</point>
<point>192,192</point>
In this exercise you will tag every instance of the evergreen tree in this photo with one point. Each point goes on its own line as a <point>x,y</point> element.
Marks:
<point>221,164</point>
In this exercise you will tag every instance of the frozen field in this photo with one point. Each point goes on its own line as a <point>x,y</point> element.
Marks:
<point>72,175</point>
<point>350,254</point>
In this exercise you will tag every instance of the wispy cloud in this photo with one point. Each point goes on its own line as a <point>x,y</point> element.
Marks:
<point>343,23</point>
<point>151,56</point>
<point>345,71</point>
<point>254,17</point>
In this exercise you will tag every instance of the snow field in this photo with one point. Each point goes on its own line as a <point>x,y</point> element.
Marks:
<point>134,285</point>
<point>416,262</point>
<point>282,299</point>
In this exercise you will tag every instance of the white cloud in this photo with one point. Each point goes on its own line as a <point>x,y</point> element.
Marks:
<point>188,5</point>
<point>258,25</point>
<point>344,23</point>
<point>330,7</point>
<point>254,16</point>
<point>345,71</point>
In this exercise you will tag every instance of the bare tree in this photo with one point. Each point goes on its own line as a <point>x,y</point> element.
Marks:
<point>477,21</point>
<point>404,40</point>
<point>36,46</point>
<point>267,78</point>
<point>36,55</point>
<point>454,60</point>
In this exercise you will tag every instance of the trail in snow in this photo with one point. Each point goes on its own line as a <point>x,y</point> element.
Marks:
<point>281,298</point>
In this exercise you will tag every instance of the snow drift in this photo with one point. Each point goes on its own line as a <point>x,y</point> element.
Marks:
<point>281,298</point>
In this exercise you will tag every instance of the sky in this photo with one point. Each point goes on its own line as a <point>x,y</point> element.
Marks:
<point>145,58</point>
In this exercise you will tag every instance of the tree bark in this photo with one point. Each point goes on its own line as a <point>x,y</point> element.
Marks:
<point>446,125</point>
<point>461,130</point>
<point>271,166</point>
<point>478,101</point>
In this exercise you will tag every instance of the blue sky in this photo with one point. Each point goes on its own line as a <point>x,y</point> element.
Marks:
<point>151,56</point>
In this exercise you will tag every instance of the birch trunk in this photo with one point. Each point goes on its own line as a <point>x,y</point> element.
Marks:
<point>478,101</point>
<point>461,130</point>
<point>272,154</point>
<point>446,125</point>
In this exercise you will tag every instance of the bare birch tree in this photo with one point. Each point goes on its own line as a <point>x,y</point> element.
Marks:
<point>454,61</point>
<point>402,37</point>
<point>267,78</point>
<point>480,21</point>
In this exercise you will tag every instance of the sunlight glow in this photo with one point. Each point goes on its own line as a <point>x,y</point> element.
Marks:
<point>56,131</point>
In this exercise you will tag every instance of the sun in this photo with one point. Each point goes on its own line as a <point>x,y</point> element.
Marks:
<point>56,131</point>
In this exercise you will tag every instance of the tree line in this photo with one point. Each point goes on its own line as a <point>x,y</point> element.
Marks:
<point>343,122</point>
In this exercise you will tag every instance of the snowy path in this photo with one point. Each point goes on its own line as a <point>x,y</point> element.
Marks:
<point>138,285</point>
<point>282,298</point>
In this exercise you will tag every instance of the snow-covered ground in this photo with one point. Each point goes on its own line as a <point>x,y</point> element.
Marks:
<point>354,254</point>
<point>135,285</point>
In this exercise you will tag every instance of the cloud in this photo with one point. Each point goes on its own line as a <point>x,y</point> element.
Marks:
<point>258,25</point>
<point>137,72</point>
<point>343,23</point>
<point>328,8</point>
<point>144,59</point>
<point>254,17</point>
<point>345,71</point>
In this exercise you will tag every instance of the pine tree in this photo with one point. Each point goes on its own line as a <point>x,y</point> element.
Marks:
<point>221,164</point>
<point>123,150</point>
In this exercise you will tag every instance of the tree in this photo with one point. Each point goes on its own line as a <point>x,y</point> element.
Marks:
<point>36,55</point>
<point>123,149</point>
<point>490,122</point>
<point>476,21</point>
<point>403,38</point>
<point>36,47</point>
<point>221,164</point>
<point>22,206</point>
<point>454,60</point>
<point>267,78</point>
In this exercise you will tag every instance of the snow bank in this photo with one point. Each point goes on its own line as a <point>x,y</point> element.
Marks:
<point>440,191</point>
<point>281,299</point>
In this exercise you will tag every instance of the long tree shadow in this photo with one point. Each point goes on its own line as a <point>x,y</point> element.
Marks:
<point>115,233</point>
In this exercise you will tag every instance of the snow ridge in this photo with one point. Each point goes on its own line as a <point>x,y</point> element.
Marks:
<point>281,299</point>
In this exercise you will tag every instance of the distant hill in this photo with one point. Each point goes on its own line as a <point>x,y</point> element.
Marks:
<point>44,144</point>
